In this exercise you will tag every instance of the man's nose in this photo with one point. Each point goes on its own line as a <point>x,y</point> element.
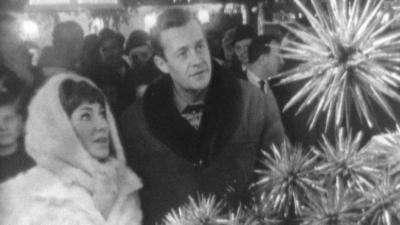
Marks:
<point>196,57</point>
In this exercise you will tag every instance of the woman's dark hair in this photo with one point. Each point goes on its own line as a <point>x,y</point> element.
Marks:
<point>74,93</point>
<point>13,91</point>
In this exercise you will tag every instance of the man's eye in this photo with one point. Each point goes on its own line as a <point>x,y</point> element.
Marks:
<point>200,46</point>
<point>182,54</point>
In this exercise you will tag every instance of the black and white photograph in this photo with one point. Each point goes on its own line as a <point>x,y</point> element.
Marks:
<point>200,112</point>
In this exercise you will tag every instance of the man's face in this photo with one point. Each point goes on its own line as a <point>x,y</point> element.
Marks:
<point>140,55</point>
<point>241,48</point>
<point>274,60</point>
<point>11,125</point>
<point>111,52</point>
<point>186,56</point>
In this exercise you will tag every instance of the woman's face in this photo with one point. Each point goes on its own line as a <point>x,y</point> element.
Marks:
<point>90,125</point>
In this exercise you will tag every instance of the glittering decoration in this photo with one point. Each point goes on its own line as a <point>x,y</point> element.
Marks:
<point>287,178</point>
<point>349,61</point>
<point>337,206</point>
<point>385,149</point>
<point>204,211</point>
<point>383,201</point>
<point>261,213</point>
<point>355,167</point>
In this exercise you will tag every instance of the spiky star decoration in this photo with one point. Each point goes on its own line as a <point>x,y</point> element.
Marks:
<point>286,178</point>
<point>383,200</point>
<point>337,206</point>
<point>385,148</point>
<point>350,61</point>
<point>258,213</point>
<point>346,161</point>
<point>203,211</point>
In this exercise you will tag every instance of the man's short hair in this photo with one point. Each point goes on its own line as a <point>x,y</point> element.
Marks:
<point>260,45</point>
<point>67,32</point>
<point>170,18</point>
<point>243,32</point>
<point>136,39</point>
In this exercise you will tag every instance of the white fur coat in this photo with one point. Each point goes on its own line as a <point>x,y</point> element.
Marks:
<point>68,186</point>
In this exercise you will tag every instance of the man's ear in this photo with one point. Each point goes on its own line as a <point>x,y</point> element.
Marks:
<point>161,64</point>
<point>265,57</point>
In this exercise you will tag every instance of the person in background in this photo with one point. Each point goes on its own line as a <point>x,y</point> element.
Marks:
<point>110,73</point>
<point>81,176</point>
<point>14,53</point>
<point>215,45</point>
<point>264,61</point>
<point>66,51</point>
<point>138,48</point>
<point>197,129</point>
<point>140,54</point>
<point>13,112</point>
<point>227,46</point>
<point>90,54</point>
<point>243,37</point>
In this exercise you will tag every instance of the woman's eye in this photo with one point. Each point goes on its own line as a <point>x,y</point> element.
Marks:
<point>85,116</point>
<point>103,113</point>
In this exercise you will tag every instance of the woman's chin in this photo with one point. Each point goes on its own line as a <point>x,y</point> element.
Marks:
<point>100,151</point>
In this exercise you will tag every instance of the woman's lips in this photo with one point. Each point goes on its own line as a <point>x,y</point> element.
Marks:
<point>102,140</point>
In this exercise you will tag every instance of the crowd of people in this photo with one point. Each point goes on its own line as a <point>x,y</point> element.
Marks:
<point>105,130</point>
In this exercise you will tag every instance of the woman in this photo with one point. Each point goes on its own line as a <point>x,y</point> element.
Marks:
<point>80,177</point>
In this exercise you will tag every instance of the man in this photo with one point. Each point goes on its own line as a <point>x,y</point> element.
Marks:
<point>140,54</point>
<point>138,48</point>
<point>264,60</point>
<point>13,112</point>
<point>198,129</point>
<point>111,71</point>
<point>66,50</point>
<point>243,37</point>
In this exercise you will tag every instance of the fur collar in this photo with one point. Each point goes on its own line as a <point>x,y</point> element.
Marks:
<point>220,117</point>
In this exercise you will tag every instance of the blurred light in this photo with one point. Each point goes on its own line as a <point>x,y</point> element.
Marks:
<point>149,21</point>
<point>244,14</point>
<point>96,26</point>
<point>204,16</point>
<point>385,17</point>
<point>300,15</point>
<point>29,30</point>
<point>232,8</point>
<point>254,9</point>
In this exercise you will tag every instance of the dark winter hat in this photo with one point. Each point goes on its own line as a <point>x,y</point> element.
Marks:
<point>137,38</point>
<point>243,32</point>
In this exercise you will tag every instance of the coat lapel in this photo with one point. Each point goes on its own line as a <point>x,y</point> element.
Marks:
<point>220,117</point>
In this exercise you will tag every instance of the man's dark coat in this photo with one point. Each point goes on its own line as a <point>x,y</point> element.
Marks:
<point>175,161</point>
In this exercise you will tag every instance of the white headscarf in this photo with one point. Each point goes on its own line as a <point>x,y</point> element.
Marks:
<point>52,142</point>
